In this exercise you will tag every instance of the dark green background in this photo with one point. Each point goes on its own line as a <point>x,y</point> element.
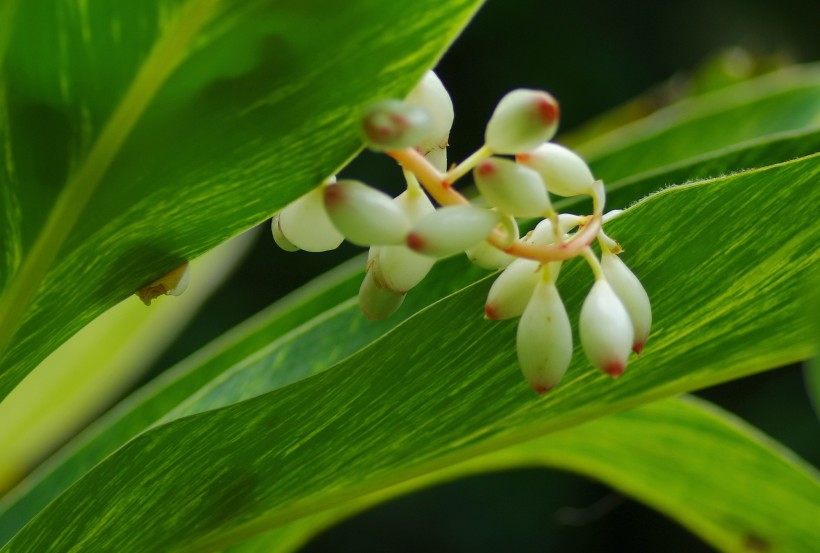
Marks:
<point>593,55</point>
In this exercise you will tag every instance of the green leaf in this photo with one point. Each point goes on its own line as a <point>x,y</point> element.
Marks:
<point>279,346</point>
<point>686,458</point>
<point>787,100</point>
<point>407,405</point>
<point>91,369</point>
<point>169,126</point>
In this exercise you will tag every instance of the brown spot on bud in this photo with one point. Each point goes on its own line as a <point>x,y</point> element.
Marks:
<point>486,168</point>
<point>540,389</point>
<point>614,369</point>
<point>637,347</point>
<point>490,312</point>
<point>334,194</point>
<point>415,242</point>
<point>523,158</point>
<point>548,110</point>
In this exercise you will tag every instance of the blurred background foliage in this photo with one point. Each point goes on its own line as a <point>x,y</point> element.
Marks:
<point>593,55</point>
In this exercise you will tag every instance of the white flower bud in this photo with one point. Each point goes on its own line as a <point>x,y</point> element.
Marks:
<point>451,229</point>
<point>542,234</point>
<point>563,171</point>
<point>522,120</point>
<point>279,237</point>
<point>431,95</point>
<point>305,224</point>
<point>489,257</point>
<point>183,274</point>
<point>606,330</point>
<point>512,290</point>
<point>398,267</point>
<point>393,124</point>
<point>377,303</point>
<point>544,339</point>
<point>364,215</point>
<point>632,294</point>
<point>511,188</point>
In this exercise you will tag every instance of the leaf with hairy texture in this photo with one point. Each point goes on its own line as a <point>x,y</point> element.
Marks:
<point>169,126</point>
<point>413,401</point>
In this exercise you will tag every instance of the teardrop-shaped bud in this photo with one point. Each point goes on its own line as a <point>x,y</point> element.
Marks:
<point>488,256</point>
<point>398,267</point>
<point>377,303</point>
<point>364,215</point>
<point>522,120</point>
<point>305,223</point>
<point>563,171</point>
<point>279,237</point>
<point>632,294</point>
<point>542,234</point>
<point>544,339</point>
<point>606,330</point>
<point>431,95</point>
<point>512,290</point>
<point>511,188</point>
<point>451,229</point>
<point>393,124</point>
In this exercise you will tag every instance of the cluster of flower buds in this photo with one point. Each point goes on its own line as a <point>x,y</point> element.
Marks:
<point>408,233</point>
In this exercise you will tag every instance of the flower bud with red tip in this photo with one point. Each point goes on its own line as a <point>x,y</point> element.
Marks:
<point>364,215</point>
<point>563,171</point>
<point>305,224</point>
<point>606,330</point>
<point>632,294</point>
<point>544,339</point>
<point>512,290</point>
<point>522,120</point>
<point>451,229</point>
<point>393,124</point>
<point>511,188</point>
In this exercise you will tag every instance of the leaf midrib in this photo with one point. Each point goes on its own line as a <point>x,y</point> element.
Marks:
<point>167,53</point>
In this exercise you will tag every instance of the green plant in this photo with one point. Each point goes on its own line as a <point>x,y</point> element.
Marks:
<point>118,166</point>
